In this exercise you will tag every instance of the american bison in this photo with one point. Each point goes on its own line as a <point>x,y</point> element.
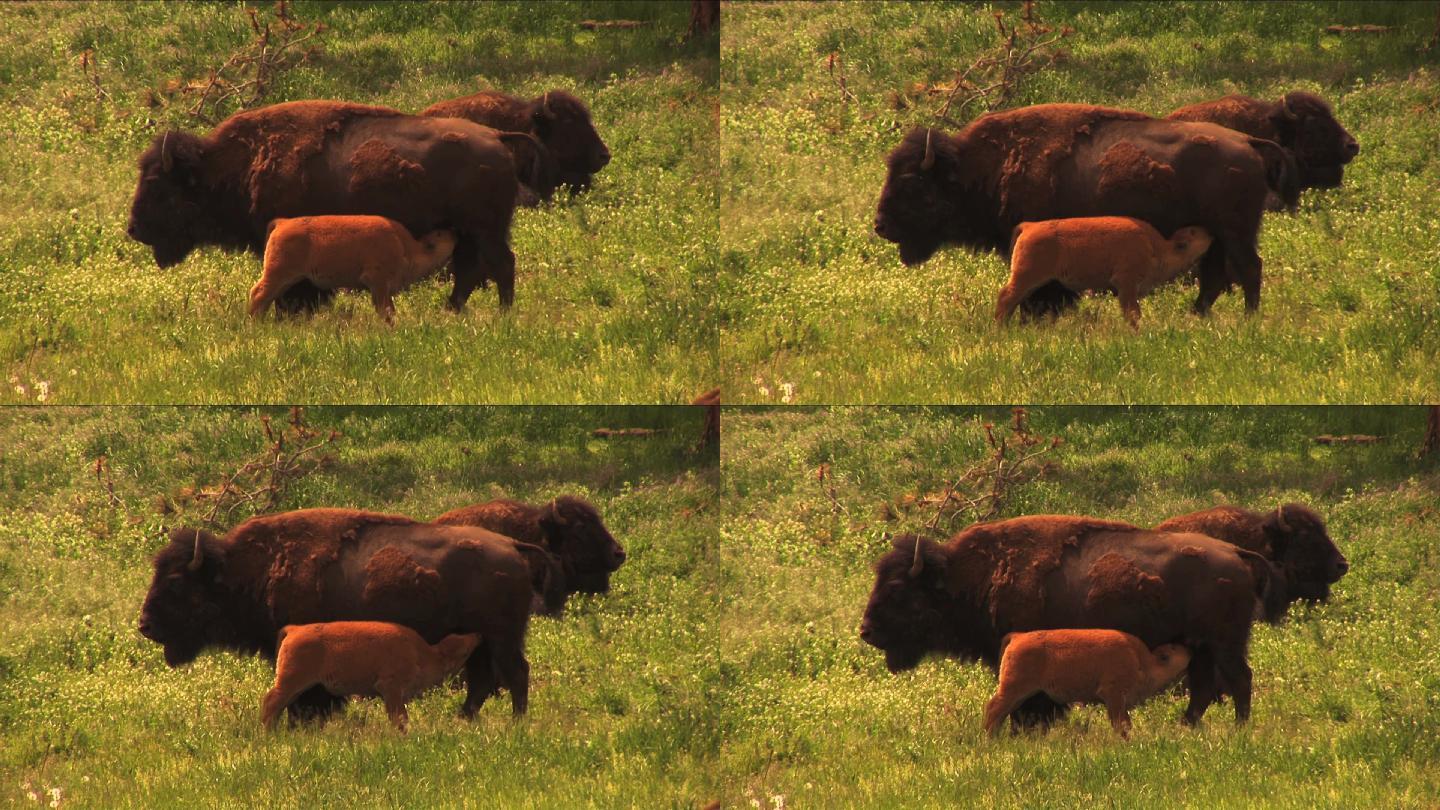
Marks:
<point>1056,161</point>
<point>1292,537</point>
<point>307,158</point>
<point>367,659</point>
<point>560,120</point>
<point>1097,253</point>
<point>1049,572</point>
<point>568,527</point>
<point>335,252</point>
<point>320,565</point>
<point>1082,666</point>
<point>1302,123</point>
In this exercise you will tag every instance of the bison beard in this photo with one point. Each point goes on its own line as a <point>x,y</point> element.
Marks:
<point>319,565</point>
<point>323,157</point>
<point>1054,572</point>
<point>1057,161</point>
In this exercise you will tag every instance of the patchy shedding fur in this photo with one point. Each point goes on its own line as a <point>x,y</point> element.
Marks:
<point>376,164</point>
<point>365,659</point>
<point>391,574</point>
<point>1082,666</point>
<point>1113,578</point>
<point>1124,164</point>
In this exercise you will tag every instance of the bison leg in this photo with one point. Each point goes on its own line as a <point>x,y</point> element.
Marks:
<point>1000,706</point>
<point>465,266</point>
<point>1236,676</point>
<point>1245,268</point>
<point>384,304</point>
<point>1119,717</point>
<point>315,704</point>
<point>1052,299</point>
<point>1129,304</point>
<point>1201,679</point>
<point>515,674</point>
<point>1038,711</point>
<point>501,264</point>
<point>279,697</point>
<point>1213,279</point>
<point>481,680</point>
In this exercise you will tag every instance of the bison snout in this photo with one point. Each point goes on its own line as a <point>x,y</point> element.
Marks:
<point>881,230</point>
<point>602,158</point>
<point>1341,568</point>
<point>1352,148</point>
<point>867,632</point>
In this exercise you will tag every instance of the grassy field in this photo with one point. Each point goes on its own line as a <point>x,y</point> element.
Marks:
<point>621,700</point>
<point>1347,694</point>
<point>815,308</point>
<point>614,289</point>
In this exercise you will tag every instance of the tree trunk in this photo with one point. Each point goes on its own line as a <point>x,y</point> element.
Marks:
<point>710,434</point>
<point>1432,433</point>
<point>704,17</point>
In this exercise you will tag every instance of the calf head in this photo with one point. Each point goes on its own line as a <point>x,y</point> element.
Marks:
<point>919,206</point>
<point>188,608</point>
<point>1302,548</point>
<point>574,533</point>
<point>913,610</point>
<point>1309,130</point>
<point>168,212</point>
<point>563,123</point>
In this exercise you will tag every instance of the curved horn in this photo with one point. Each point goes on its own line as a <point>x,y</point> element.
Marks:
<point>167,162</point>
<point>545,103</point>
<point>1280,518</point>
<point>929,161</point>
<point>199,557</point>
<point>919,564</point>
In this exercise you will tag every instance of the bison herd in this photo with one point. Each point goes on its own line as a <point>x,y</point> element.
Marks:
<point>1197,580</point>
<point>460,166</point>
<point>1216,166</point>
<point>479,570</point>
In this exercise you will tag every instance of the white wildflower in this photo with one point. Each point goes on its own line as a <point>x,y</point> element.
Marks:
<point>787,392</point>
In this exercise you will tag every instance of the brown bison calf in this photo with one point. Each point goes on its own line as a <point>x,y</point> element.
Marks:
<point>1096,253</point>
<point>1082,666</point>
<point>362,658</point>
<point>331,252</point>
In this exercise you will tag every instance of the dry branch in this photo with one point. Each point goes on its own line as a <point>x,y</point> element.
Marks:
<point>1358,438</point>
<point>246,76</point>
<point>1356,29</point>
<point>89,65</point>
<point>592,25</point>
<point>979,493</point>
<point>615,433</point>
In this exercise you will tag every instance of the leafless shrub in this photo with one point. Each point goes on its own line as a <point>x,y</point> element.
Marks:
<point>89,65</point>
<point>245,78</point>
<point>1025,47</point>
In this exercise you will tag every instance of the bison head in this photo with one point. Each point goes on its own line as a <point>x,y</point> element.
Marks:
<point>562,122</point>
<point>188,608</point>
<point>1303,549</point>
<point>919,204</point>
<point>167,212</point>
<point>913,609</point>
<point>574,532</point>
<point>1309,130</point>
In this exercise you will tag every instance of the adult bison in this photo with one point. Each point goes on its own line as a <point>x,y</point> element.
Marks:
<point>1049,572</point>
<point>568,527</point>
<point>1056,161</point>
<point>320,565</point>
<point>1292,537</point>
<point>1302,123</point>
<point>560,120</point>
<point>305,158</point>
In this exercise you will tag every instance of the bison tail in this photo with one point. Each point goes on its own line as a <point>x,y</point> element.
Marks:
<point>1005,642</point>
<point>536,155</point>
<point>546,577</point>
<point>280,636</point>
<point>1282,175</point>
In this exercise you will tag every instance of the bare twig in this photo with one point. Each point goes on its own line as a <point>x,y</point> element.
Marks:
<point>107,481</point>
<point>980,492</point>
<point>827,488</point>
<point>994,77</point>
<point>835,65</point>
<point>90,67</point>
<point>246,76</point>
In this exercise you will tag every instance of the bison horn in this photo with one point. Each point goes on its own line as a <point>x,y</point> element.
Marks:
<point>545,104</point>
<point>167,161</point>
<point>199,557</point>
<point>919,564</point>
<point>555,511</point>
<point>1280,519</point>
<point>929,160</point>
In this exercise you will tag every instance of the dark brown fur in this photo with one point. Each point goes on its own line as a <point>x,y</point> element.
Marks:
<point>1057,161</point>
<point>560,120</point>
<point>568,527</point>
<point>1293,538</point>
<point>320,565</point>
<point>1059,571</point>
<point>305,158</point>
<point>1302,123</point>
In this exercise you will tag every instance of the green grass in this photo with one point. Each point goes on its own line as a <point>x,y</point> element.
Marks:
<point>814,308</point>
<point>613,298</point>
<point>621,686</point>
<point>1347,694</point>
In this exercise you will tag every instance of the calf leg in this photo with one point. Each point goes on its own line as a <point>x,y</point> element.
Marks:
<point>1129,303</point>
<point>1119,717</point>
<point>1011,296</point>
<point>395,707</point>
<point>384,304</point>
<point>1000,706</point>
<point>279,697</point>
<point>261,295</point>
<point>480,679</point>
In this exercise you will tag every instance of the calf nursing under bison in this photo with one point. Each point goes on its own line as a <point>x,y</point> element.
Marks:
<point>1215,166</point>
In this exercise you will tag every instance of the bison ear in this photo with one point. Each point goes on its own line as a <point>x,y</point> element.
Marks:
<point>1277,531</point>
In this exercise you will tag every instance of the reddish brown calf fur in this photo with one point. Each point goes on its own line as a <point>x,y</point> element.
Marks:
<point>1083,666</point>
<point>365,659</point>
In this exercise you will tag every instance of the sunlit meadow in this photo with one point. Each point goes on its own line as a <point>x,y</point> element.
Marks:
<point>614,289</point>
<point>1347,694</point>
<point>621,699</point>
<point>814,307</point>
